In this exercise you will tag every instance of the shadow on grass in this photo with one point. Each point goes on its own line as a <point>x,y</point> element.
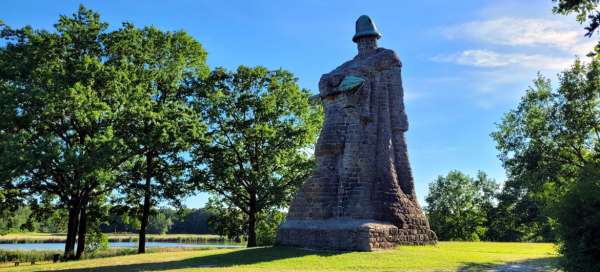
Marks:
<point>238,257</point>
<point>540,264</point>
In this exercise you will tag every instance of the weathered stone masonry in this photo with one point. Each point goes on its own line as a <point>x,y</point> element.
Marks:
<point>361,194</point>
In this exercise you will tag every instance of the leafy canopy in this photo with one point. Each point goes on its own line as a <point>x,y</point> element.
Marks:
<point>261,127</point>
<point>458,205</point>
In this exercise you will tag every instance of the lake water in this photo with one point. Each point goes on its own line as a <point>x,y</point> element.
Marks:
<point>61,246</point>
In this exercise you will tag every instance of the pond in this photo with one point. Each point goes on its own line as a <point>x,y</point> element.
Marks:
<point>61,246</point>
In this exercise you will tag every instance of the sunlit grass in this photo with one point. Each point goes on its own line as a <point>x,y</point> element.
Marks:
<point>446,256</point>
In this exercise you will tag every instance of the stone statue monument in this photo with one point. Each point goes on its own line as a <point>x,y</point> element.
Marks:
<point>361,194</point>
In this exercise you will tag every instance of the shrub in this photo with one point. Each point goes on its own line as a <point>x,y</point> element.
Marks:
<point>27,255</point>
<point>266,229</point>
<point>579,219</point>
<point>96,240</point>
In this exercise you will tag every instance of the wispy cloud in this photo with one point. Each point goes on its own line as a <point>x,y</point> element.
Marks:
<point>490,59</point>
<point>519,32</point>
<point>554,43</point>
<point>504,53</point>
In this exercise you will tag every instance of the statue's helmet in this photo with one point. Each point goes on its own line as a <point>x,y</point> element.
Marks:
<point>365,28</point>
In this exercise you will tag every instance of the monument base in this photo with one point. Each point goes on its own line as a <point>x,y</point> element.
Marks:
<point>349,235</point>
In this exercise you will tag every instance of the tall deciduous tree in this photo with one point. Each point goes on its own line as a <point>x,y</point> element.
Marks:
<point>158,123</point>
<point>458,205</point>
<point>547,143</point>
<point>260,127</point>
<point>58,103</point>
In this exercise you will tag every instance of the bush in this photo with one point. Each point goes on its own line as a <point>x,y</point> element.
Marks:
<point>579,219</point>
<point>95,241</point>
<point>27,255</point>
<point>266,229</point>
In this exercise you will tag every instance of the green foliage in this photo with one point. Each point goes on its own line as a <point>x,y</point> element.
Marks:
<point>579,217</point>
<point>159,223</point>
<point>266,229</point>
<point>518,217</point>
<point>59,100</point>
<point>19,220</point>
<point>229,221</point>
<point>95,241</point>
<point>26,255</point>
<point>458,206</point>
<point>584,10</point>
<point>85,111</point>
<point>260,126</point>
<point>548,146</point>
<point>188,221</point>
<point>545,142</point>
<point>157,124</point>
<point>48,255</point>
<point>191,221</point>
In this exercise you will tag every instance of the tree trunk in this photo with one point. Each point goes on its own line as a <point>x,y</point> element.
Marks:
<point>82,230</point>
<point>252,222</point>
<point>146,208</point>
<point>71,231</point>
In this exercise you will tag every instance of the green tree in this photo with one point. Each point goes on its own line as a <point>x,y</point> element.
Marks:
<point>158,124</point>
<point>159,223</point>
<point>226,219</point>
<point>58,102</point>
<point>458,205</point>
<point>266,229</point>
<point>15,221</point>
<point>192,221</point>
<point>260,126</point>
<point>579,217</point>
<point>230,221</point>
<point>547,146</point>
<point>585,10</point>
<point>547,139</point>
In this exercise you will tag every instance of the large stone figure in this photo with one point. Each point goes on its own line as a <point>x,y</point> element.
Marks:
<point>361,195</point>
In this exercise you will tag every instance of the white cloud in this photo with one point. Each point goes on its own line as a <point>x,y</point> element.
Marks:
<point>520,32</point>
<point>537,43</point>
<point>490,59</point>
<point>496,54</point>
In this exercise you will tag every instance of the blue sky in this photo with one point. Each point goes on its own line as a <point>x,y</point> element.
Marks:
<point>465,63</point>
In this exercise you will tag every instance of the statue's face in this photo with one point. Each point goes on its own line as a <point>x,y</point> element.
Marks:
<point>366,44</point>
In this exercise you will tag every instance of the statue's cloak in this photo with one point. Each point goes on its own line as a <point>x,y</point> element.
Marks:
<point>363,178</point>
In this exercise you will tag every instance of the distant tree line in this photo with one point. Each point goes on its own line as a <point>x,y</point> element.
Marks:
<point>161,221</point>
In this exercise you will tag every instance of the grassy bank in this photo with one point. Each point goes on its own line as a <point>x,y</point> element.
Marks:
<point>446,256</point>
<point>27,257</point>
<point>112,237</point>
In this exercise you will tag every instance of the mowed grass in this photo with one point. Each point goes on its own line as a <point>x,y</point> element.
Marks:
<point>34,237</point>
<point>446,256</point>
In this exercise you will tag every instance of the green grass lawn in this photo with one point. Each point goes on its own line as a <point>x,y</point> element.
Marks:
<point>34,237</point>
<point>446,256</point>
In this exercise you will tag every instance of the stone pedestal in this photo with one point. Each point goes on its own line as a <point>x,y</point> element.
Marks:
<point>349,235</point>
